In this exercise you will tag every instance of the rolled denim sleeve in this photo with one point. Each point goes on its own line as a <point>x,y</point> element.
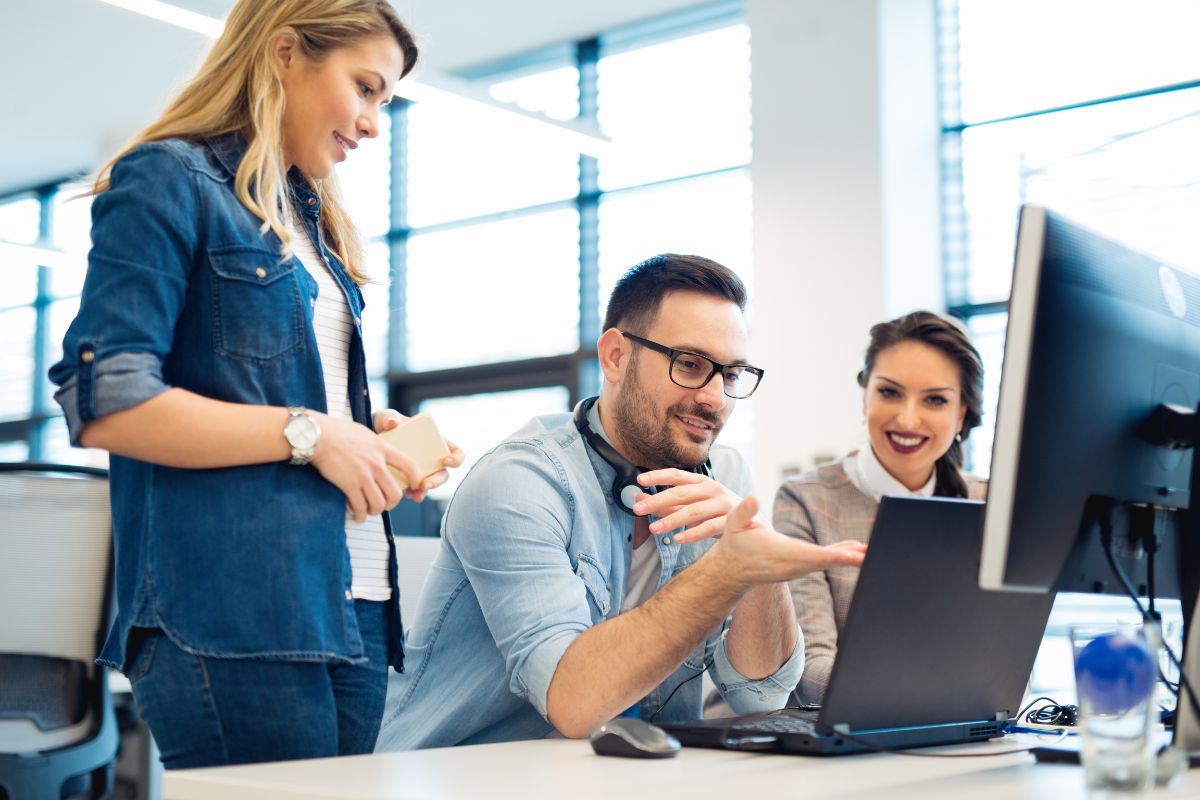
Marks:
<point>144,245</point>
<point>747,696</point>
<point>509,524</point>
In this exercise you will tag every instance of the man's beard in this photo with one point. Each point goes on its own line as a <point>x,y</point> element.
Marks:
<point>649,437</point>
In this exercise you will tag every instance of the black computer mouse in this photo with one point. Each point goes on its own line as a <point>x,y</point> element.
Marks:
<point>633,738</point>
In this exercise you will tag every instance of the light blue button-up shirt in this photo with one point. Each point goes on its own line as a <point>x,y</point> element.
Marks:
<point>535,552</point>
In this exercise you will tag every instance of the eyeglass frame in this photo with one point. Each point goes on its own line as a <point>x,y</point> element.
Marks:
<point>717,366</point>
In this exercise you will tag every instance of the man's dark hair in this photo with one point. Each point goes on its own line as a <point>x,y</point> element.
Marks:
<point>639,293</point>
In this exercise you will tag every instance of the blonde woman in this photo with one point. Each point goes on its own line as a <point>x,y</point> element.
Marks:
<point>217,355</point>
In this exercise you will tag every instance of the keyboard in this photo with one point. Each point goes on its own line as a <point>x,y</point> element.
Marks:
<point>775,725</point>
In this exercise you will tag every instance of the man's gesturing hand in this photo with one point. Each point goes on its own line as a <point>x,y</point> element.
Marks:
<point>754,553</point>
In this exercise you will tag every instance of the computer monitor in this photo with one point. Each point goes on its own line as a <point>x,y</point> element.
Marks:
<point>1099,337</point>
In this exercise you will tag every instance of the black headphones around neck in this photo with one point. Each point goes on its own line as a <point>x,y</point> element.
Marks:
<point>625,487</point>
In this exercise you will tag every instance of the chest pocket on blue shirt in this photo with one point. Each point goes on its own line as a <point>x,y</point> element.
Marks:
<point>257,310</point>
<point>592,575</point>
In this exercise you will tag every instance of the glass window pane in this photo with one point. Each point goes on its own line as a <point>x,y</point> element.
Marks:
<point>465,161</point>
<point>19,220</point>
<point>72,223</point>
<point>66,280</point>
<point>493,292</point>
<point>1127,169</point>
<point>707,216</point>
<point>987,333</point>
<point>1024,55</point>
<point>16,362</point>
<point>676,108</point>
<point>72,232</point>
<point>553,92</point>
<point>19,287</point>
<point>59,316</point>
<point>377,315</point>
<point>366,181</point>
<point>479,422</point>
<point>57,449</point>
<point>14,451</point>
<point>379,393</point>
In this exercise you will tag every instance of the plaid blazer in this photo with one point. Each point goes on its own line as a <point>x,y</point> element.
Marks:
<point>822,506</point>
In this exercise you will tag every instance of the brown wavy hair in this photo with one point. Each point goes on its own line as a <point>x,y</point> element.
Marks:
<point>238,89</point>
<point>947,336</point>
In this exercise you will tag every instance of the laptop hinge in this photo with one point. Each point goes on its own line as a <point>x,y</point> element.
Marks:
<point>842,727</point>
<point>1003,716</point>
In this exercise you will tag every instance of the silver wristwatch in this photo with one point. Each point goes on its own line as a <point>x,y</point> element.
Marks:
<point>302,433</point>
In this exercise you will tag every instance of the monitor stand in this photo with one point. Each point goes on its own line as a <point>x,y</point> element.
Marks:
<point>1179,428</point>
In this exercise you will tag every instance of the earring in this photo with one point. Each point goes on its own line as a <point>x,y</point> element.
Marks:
<point>958,437</point>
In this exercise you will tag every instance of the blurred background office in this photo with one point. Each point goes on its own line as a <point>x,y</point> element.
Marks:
<point>851,159</point>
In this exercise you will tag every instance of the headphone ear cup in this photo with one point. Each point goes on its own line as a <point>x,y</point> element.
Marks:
<point>626,490</point>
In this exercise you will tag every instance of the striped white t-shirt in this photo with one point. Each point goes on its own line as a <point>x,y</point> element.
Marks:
<point>332,323</point>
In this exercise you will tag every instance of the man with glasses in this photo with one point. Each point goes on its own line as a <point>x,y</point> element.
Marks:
<point>597,563</point>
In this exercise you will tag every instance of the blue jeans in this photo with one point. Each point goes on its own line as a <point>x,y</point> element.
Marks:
<point>212,711</point>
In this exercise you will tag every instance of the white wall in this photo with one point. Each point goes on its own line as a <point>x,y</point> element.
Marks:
<point>845,209</point>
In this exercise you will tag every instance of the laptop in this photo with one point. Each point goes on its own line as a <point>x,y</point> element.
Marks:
<point>926,657</point>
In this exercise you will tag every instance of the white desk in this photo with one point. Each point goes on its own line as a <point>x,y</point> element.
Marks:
<point>557,769</point>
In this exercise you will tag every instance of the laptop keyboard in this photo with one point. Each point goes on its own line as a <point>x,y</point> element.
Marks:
<point>776,725</point>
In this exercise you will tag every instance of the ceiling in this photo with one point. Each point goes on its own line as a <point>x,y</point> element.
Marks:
<point>79,77</point>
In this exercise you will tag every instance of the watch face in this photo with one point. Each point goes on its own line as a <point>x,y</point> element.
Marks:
<point>302,432</point>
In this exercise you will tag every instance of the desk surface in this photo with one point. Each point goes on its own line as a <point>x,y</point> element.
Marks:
<point>561,768</point>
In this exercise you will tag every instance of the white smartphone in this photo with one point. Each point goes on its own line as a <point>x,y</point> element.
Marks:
<point>418,438</point>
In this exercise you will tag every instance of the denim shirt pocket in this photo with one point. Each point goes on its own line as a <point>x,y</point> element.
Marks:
<point>596,583</point>
<point>258,314</point>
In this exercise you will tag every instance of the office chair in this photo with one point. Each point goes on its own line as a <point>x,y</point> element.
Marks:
<point>414,558</point>
<point>58,731</point>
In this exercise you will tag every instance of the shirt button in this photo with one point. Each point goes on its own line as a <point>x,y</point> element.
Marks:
<point>357,321</point>
<point>366,392</point>
<point>260,272</point>
<point>349,595</point>
<point>312,201</point>
<point>666,540</point>
<point>87,356</point>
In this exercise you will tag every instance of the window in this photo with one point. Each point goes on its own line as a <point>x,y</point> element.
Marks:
<point>35,308</point>
<point>507,245</point>
<point>1094,115</point>
<point>1096,119</point>
<point>492,246</point>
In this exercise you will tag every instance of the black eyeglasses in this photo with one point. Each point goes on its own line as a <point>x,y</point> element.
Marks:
<point>694,371</point>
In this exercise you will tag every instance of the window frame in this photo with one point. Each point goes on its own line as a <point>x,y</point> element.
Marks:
<point>577,371</point>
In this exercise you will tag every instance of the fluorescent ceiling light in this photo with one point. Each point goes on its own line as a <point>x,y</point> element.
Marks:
<point>436,90</point>
<point>446,92</point>
<point>33,255</point>
<point>173,15</point>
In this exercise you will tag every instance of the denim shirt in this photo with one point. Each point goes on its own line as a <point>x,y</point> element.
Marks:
<point>183,290</point>
<point>535,552</point>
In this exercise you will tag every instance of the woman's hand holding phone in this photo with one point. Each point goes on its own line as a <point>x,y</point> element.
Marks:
<point>418,438</point>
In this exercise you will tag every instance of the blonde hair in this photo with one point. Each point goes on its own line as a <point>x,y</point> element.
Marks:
<point>238,89</point>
